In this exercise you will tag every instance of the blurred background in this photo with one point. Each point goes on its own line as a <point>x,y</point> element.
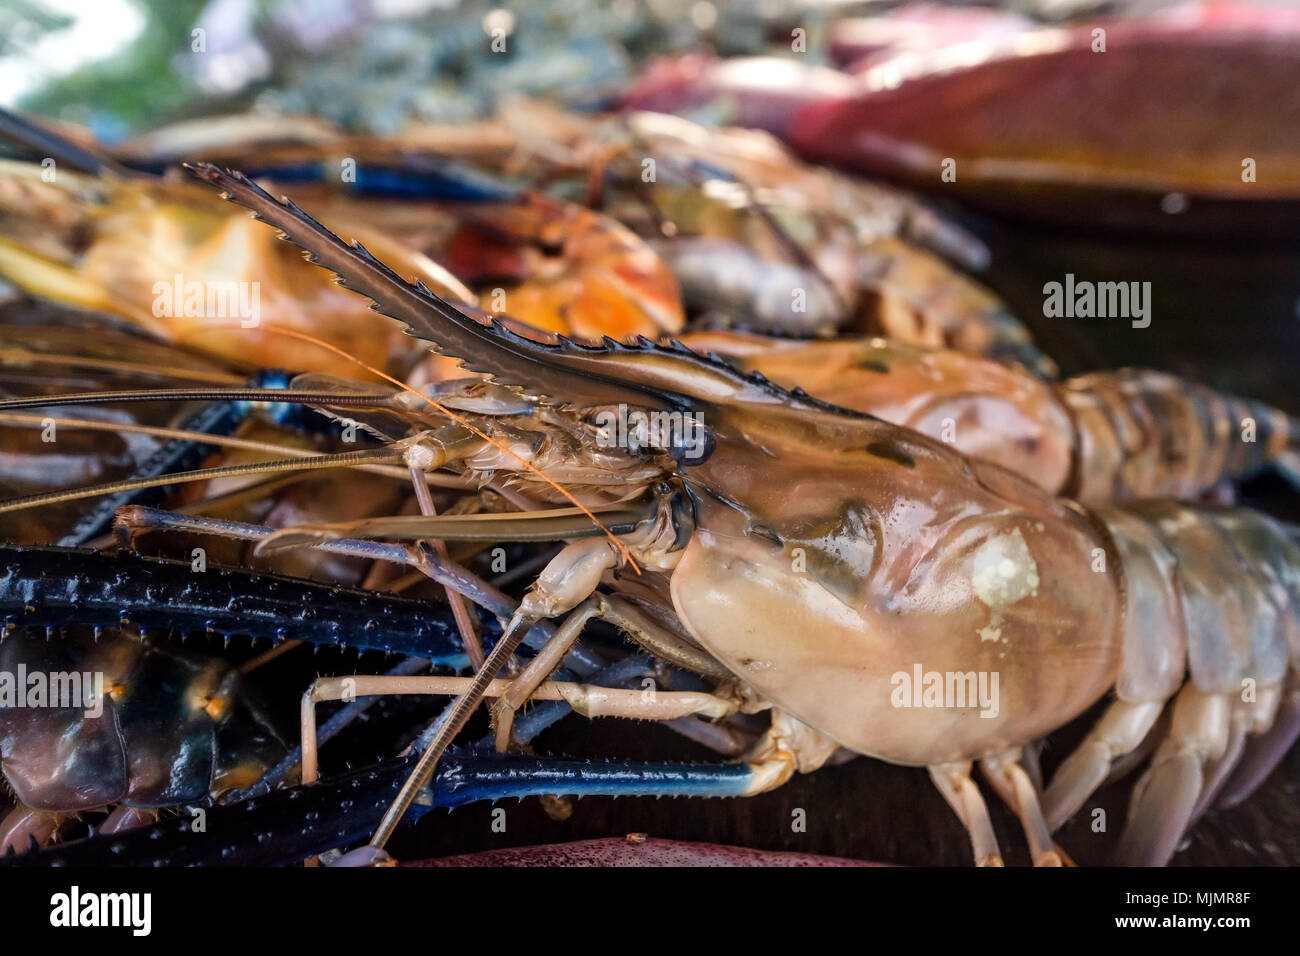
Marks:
<point>121,67</point>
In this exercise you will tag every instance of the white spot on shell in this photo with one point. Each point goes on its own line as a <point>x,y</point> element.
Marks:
<point>1003,571</point>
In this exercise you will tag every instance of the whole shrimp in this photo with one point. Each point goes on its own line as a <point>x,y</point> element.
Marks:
<point>822,557</point>
<point>870,586</point>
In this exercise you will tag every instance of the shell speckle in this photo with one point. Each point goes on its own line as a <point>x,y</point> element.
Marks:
<point>1003,570</point>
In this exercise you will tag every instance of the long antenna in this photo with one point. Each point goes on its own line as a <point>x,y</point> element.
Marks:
<point>343,460</point>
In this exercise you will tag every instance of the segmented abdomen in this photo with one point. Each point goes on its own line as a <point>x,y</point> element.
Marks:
<point>1210,592</point>
<point>1147,434</point>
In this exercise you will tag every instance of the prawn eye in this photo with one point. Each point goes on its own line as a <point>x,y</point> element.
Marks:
<point>693,444</point>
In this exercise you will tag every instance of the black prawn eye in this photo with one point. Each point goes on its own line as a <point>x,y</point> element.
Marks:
<point>692,444</point>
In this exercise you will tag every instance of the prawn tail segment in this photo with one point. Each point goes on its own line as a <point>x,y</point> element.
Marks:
<point>1148,434</point>
<point>1210,649</point>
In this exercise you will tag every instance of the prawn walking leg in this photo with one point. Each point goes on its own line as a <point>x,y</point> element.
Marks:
<point>1013,784</point>
<point>567,580</point>
<point>955,783</point>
